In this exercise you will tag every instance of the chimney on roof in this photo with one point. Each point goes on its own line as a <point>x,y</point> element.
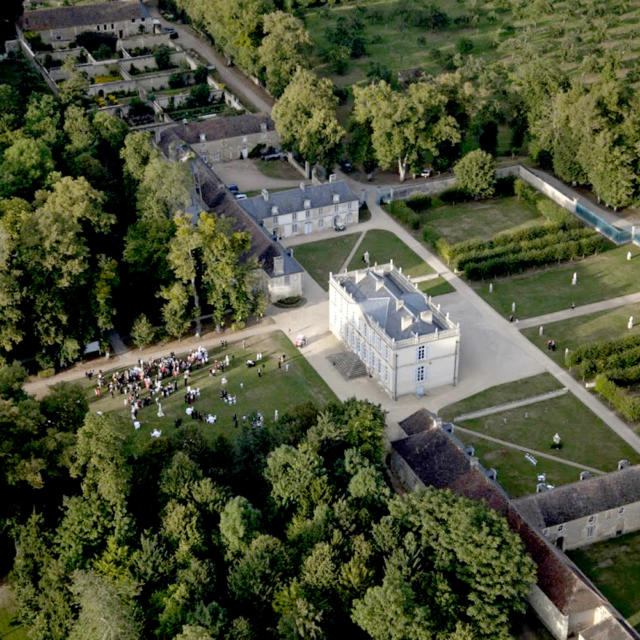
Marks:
<point>265,195</point>
<point>203,137</point>
<point>278,266</point>
<point>302,186</point>
<point>426,316</point>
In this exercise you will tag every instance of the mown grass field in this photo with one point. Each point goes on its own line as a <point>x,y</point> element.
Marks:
<point>600,277</point>
<point>614,567</point>
<point>325,256</point>
<point>479,220</point>
<point>384,246</point>
<point>276,389</point>
<point>571,333</point>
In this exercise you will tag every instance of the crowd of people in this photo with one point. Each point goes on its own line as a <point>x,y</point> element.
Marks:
<point>154,380</point>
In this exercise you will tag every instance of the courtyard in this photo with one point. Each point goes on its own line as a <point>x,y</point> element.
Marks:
<point>614,567</point>
<point>501,437</point>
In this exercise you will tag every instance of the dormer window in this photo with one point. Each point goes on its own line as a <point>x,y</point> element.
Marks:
<point>307,204</point>
<point>336,198</point>
<point>274,210</point>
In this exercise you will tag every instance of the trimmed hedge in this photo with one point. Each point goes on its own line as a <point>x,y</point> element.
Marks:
<point>624,377</point>
<point>620,399</point>
<point>601,349</point>
<point>419,202</point>
<point>513,252</point>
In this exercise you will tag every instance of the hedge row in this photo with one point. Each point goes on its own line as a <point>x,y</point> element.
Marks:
<point>624,377</point>
<point>503,250</point>
<point>523,260</point>
<point>419,202</point>
<point>525,234</point>
<point>620,399</point>
<point>601,349</point>
<point>404,214</point>
<point>619,360</point>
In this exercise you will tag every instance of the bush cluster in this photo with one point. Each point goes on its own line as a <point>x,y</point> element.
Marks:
<point>605,355</point>
<point>514,252</point>
<point>627,404</point>
<point>419,202</point>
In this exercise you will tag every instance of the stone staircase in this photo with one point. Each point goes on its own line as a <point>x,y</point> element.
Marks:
<point>348,364</point>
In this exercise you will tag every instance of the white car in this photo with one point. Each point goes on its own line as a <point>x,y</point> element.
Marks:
<point>241,196</point>
<point>425,173</point>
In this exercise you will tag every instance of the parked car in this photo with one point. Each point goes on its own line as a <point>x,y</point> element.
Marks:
<point>241,196</point>
<point>173,34</point>
<point>338,226</point>
<point>346,166</point>
<point>425,173</point>
<point>276,155</point>
<point>233,188</point>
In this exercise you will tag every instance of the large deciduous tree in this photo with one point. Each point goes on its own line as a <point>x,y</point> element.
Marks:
<point>476,174</point>
<point>405,125</point>
<point>286,46</point>
<point>305,118</point>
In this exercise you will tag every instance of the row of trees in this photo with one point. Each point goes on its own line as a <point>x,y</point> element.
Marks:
<point>70,269</point>
<point>293,532</point>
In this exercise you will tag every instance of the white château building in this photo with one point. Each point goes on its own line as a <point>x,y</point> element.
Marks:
<point>405,341</point>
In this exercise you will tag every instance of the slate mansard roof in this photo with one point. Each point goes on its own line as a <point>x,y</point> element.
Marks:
<point>83,15</point>
<point>392,302</point>
<point>583,498</point>
<point>224,127</point>
<point>294,199</point>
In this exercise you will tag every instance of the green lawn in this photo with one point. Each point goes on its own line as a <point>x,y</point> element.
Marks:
<point>516,474</point>
<point>614,567</point>
<point>384,246</point>
<point>325,256</point>
<point>600,277</point>
<point>435,287</point>
<point>500,394</point>
<point>279,169</point>
<point>10,629</point>
<point>467,220</point>
<point>561,38</point>
<point>276,389</point>
<point>394,43</point>
<point>604,325</point>
<point>586,439</point>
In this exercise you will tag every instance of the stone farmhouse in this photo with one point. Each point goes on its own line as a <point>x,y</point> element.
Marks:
<point>229,137</point>
<point>588,511</point>
<point>404,340</point>
<point>279,275</point>
<point>60,26</point>
<point>306,210</point>
<point>564,599</point>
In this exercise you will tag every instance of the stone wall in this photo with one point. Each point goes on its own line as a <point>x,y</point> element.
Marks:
<point>556,622</point>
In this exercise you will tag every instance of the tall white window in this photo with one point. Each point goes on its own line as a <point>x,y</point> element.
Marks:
<point>590,531</point>
<point>420,374</point>
<point>420,352</point>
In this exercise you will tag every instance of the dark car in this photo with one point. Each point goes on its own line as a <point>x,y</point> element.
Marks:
<point>233,188</point>
<point>338,226</point>
<point>346,166</point>
<point>276,155</point>
<point>173,34</point>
